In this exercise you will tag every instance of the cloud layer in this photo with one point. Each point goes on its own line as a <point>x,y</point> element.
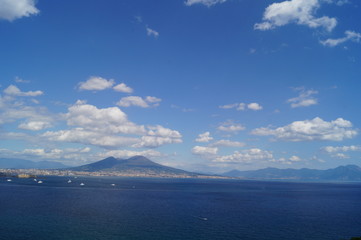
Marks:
<point>14,9</point>
<point>300,12</point>
<point>349,36</point>
<point>311,130</point>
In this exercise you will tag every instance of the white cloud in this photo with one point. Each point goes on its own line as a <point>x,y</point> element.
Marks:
<point>231,127</point>
<point>204,151</point>
<point>300,12</point>
<point>128,153</point>
<point>207,3</point>
<point>155,141</point>
<point>139,102</point>
<point>243,106</point>
<point>163,132</point>
<point>152,33</point>
<point>122,87</point>
<point>304,98</point>
<point>204,137</point>
<point>349,36</point>
<point>35,125</point>
<point>72,154</point>
<point>331,149</point>
<point>15,91</point>
<point>246,156</point>
<point>31,117</point>
<point>96,84</point>
<point>254,106</point>
<point>84,136</point>
<point>106,128</point>
<point>311,130</point>
<point>288,161</point>
<point>158,136</point>
<point>19,80</point>
<point>108,120</point>
<point>341,156</point>
<point>14,9</point>
<point>227,143</point>
<point>339,151</point>
<point>294,158</point>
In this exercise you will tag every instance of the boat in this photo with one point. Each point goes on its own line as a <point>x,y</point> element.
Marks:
<point>69,181</point>
<point>35,180</point>
<point>40,181</point>
<point>112,184</point>
<point>82,184</point>
<point>9,180</point>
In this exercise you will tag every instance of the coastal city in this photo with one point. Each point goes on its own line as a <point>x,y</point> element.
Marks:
<point>32,173</point>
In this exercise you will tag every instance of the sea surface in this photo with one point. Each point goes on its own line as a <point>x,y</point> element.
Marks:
<point>177,209</point>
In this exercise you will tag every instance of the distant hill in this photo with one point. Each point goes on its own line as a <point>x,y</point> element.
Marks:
<point>133,165</point>
<point>27,164</point>
<point>342,173</point>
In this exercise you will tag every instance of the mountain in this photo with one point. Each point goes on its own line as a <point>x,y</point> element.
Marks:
<point>342,173</point>
<point>27,164</point>
<point>134,165</point>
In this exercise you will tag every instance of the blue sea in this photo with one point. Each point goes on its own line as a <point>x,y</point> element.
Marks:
<point>177,209</point>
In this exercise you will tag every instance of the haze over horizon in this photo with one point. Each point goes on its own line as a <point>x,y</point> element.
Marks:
<point>201,85</point>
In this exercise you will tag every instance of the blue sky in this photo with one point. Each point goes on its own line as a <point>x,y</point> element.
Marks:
<point>202,85</point>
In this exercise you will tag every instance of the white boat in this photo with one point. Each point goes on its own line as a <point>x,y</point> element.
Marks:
<point>40,181</point>
<point>112,184</point>
<point>69,181</point>
<point>35,180</point>
<point>82,184</point>
<point>9,180</point>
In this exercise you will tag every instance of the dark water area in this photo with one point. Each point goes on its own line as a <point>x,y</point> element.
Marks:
<point>177,209</point>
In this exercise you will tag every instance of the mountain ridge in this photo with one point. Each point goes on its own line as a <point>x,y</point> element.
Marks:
<point>340,173</point>
<point>16,163</point>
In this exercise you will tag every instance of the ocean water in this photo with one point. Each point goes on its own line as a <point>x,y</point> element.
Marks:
<point>177,209</point>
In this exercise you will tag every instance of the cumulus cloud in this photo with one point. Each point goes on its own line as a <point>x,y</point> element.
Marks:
<point>243,106</point>
<point>295,158</point>
<point>311,130</point>
<point>157,136</point>
<point>139,102</point>
<point>231,127</point>
<point>238,106</point>
<point>128,153</point>
<point>227,143</point>
<point>13,90</point>
<point>301,12</point>
<point>246,156</point>
<point>254,106</point>
<point>304,99</point>
<point>332,149</point>
<point>89,137</point>
<point>106,127</point>
<point>155,141</point>
<point>349,36</point>
<point>339,151</point>
<point>122,87</point>
<point>14,9</point>
<point>72,154</point>
<point>152,32</point>
<point>204,137</point>
<point>108,120</point>
<point>288,161</point>
<point>96,84</point>
<point>32,118</point>
<point>35,125</point>
<point>204,151</point>
<point>207,3</point>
